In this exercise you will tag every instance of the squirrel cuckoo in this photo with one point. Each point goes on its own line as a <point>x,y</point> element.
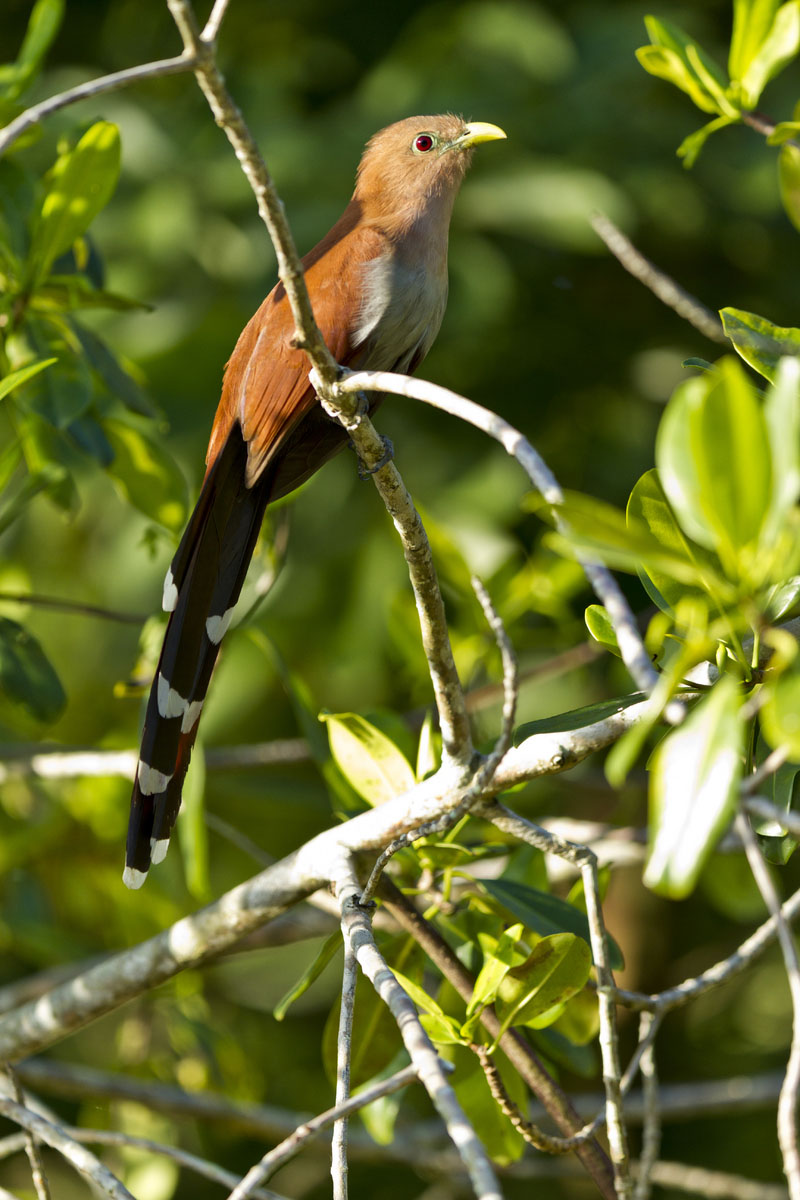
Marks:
<point>378,286</point>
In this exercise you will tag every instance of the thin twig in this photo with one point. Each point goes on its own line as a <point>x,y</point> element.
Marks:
<point>308,1129</point>
<point>714,1185</point>
<point>344,1049</point>
<point>787,1104</point>
<point>657,281</point>
<point>94,87</point>
<point>212,25</point>
<point>109,1137</point>
<point>77,607</point>
<point>651,1133</point>
<point>31,1146</point>
<point>76,1155</point>
<point>358,933</point>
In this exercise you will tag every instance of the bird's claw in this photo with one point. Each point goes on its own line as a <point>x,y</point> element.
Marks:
<point>364,471</point>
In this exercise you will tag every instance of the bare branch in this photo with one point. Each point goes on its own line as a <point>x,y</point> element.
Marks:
<point>109,1137</point>
<point>787,1104</point>
<point>714,1185</point>
<point>344,1051</point>
<point>651,1136</point>
<point>84,91</point>
<point>358,934</point>
<point>31,1146</point>
<point>308,1129</point>
<point>76,1155</point>
<point>719,973</point>
<point>665,289</point>
<point>76,607</point>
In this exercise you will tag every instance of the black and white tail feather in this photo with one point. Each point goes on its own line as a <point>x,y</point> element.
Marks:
<point>200,591</point>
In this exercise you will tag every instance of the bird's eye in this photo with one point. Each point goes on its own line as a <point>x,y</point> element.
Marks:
<point>423,142</point>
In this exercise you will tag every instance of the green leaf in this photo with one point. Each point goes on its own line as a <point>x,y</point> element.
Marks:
<point>667,64</point>
<point>498,960</point>
<point>599,624</point>
<point>79,186</point>
<point>544,913</point>
<point>674,56</point>
<point>778,48</point>
<point>577,718</point>
<point>691,146</point>
<point>752,20</point>
<point>777,844</point>
<point>63,293</point>
<point>780,712</point>
<point>782,132</point>
<point>535,992</point>
<point>501,1139</point>
<point>648,505</point>
<point>694,789</point>
<point>596,529</point>
<point>326,953</point>
<point>782,416</point>
<point>9,382</point>
<point>713,460</point>
<point>760,343</point>
<point>27,679</point>
<point>60,396</point>
<point>192,829</point>
<point>789,180</point>
<point>43,25</point>
<point>113,374</point>
<point>428,749</point>
<point>439,1026</point>
<point>147,476</point>
<point>367,758</point>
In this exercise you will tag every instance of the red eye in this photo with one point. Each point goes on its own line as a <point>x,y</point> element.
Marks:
<point>423,142</point>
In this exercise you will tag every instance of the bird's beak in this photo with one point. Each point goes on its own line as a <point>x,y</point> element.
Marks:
<point>476,132</point>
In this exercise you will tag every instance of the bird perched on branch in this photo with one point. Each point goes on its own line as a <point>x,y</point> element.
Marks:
<point>378,287</point>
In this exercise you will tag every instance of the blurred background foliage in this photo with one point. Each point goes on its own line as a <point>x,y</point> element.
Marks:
<point>542,326</point>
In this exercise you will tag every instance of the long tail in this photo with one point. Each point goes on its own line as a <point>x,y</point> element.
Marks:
<point>201,589</point>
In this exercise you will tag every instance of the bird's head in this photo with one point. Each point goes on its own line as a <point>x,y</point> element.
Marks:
<point>418,163</point>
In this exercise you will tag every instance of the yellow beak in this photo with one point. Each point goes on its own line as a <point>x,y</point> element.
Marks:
<point>479,131</point>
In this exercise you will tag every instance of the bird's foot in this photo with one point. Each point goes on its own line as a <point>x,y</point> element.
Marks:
<point>364,471</point>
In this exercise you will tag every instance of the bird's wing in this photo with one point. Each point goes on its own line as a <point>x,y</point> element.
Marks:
<point>266,388</point>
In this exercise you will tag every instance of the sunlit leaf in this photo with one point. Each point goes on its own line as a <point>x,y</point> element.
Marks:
<point>752,20</point>
<point>599,624</point>
<point>691,146</point>
<point>43,25</point>
<point>782,416</point>
<point>694,786</point>
<point>779,47</point>
<point>648,505</point>
<point>780,712</point>
<point>369,761</point>
<point>760,343</point>
<point>713,460</point>
<point>534,992</point>
<point>79,186</point>
<point>789,180</point>
<point>9,382</point>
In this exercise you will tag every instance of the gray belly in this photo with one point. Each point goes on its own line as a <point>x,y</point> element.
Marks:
<point>400,316</point>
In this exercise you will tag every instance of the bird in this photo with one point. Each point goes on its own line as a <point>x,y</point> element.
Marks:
<point>378,288</point>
